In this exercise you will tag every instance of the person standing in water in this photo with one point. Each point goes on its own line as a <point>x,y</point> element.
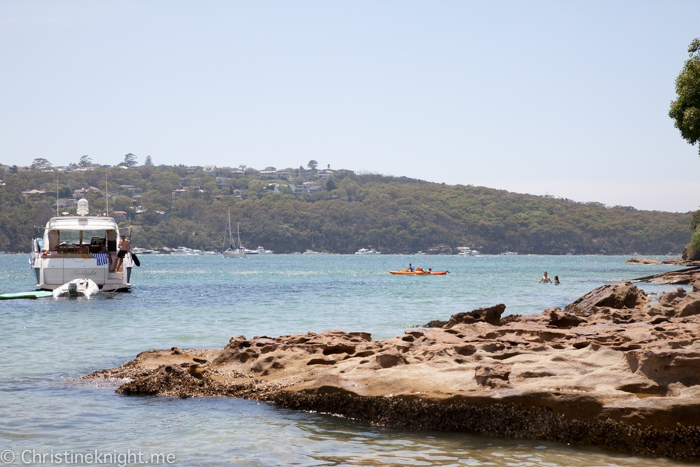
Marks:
<point>556,280</point>
<point>545,279</point>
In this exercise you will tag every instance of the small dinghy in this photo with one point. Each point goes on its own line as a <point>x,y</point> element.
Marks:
<point>76,288</point>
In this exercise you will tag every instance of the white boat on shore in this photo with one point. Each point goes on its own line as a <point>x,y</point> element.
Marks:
<point>77,288</point>
<point>81,246</point>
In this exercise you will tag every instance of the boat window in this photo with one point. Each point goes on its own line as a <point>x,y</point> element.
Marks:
<point>78,241</point>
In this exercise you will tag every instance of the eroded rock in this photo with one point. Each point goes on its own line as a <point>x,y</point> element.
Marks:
<point>491,315</point>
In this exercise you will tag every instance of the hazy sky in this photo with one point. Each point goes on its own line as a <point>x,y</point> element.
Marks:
<point>563,98</point>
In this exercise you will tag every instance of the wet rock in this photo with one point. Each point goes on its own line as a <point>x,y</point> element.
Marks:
<point>641,260</point>
<point>677,261</point>
<point>491,315</point>
<point>617,296</point>
<point>560,319</point>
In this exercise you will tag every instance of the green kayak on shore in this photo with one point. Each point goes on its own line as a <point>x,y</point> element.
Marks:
<point>31,295</point>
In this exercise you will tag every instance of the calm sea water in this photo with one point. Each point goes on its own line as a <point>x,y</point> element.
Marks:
<point>201,301</point>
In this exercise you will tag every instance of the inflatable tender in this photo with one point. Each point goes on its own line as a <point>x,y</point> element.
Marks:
<point>77,288</point>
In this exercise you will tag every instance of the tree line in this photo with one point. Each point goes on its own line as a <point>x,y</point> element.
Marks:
<point>392,214</point>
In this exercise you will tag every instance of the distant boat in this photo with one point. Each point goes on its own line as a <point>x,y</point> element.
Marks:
<point>509,253</point>
<point>183,250</point>
<point>466,251</point>
<point>233,251</point>
<point>263,251</point>
<point>365,251</point>
<point>311,252</point>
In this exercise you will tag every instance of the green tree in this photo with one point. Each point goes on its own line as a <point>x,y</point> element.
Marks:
<point>149,161</point>
<point>85,161</point>
<point>312,164</point>
<point>129,160</point>
<point>685,110</point>
<point>41,163</point>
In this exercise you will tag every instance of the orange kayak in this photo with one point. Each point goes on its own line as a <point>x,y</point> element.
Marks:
<point>419,273</point>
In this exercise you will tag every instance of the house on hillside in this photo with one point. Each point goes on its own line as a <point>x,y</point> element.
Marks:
<point>179,191</point>
<point>268,172</point>
<point>209,169</point>
<point>34,192</point>
<point>241,193</point>
<point>221,182</point>
<point>119,216</point>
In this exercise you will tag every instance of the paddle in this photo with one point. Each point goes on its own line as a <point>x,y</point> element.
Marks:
<point>133,255</point>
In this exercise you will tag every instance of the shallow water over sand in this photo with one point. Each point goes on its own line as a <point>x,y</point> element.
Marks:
<point>201,301</point>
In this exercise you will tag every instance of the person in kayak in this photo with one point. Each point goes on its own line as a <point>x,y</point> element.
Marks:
<point>410,268</point>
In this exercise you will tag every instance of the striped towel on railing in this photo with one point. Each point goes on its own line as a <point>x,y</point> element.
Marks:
<point>102,258</point>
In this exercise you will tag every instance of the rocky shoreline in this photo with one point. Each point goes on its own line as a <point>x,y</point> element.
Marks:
<point>612,369</point>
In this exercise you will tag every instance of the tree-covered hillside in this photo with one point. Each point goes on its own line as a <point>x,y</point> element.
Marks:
<point>167,206</point>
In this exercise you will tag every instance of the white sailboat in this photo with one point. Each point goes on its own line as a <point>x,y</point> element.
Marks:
<point>233,251</point>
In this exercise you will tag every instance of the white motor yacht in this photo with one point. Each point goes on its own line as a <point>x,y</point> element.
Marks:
<point>365,251</point>
<point>81,246</point>
<point>311,252</point>
<point>263,251</point>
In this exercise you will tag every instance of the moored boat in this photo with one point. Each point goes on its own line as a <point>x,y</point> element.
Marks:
<point>365,251</point>
<point>80,246</point>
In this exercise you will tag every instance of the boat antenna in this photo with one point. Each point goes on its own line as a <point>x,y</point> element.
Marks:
<point>107,192</point>
<point>56,192</point>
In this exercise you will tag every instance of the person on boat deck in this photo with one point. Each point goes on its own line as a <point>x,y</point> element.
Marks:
<point>556,280</point>
<point>545,279</point>
<point>410,267</point>
<point>124,248</point>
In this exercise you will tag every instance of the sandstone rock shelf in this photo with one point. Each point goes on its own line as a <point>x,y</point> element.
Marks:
<point>612,369</point>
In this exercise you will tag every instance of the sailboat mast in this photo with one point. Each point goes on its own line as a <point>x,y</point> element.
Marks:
<point>230,233</point>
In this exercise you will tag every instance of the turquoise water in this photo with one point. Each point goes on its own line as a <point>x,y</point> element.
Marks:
<point>201,301</point>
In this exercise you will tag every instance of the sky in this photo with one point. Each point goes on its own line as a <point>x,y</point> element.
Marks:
<point>568,99</point>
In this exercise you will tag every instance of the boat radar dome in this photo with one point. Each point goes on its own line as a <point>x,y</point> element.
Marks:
<point>83,208</point>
